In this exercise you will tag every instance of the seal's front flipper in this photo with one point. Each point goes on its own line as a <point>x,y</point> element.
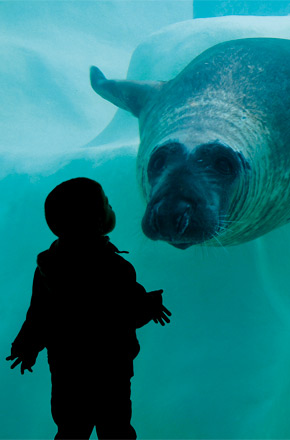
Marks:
<point>128,95</point>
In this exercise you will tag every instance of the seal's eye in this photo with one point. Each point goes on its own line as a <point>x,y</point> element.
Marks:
<point>224,166</point>
<point>163,157</point>
<point>156,164</point>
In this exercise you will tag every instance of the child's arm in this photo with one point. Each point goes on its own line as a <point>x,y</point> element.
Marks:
<point>30,340</point>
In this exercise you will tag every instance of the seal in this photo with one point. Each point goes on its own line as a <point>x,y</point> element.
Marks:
<point>214,155</point>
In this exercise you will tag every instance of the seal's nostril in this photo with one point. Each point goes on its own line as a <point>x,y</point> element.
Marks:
<point>154,219</point>
<point>182,222</point>
<point>183,219</point>
<point>171,220</point>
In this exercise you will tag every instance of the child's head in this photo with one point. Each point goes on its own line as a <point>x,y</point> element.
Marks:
<point>79,207</point>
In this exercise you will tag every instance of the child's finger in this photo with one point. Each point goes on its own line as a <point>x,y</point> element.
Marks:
<point>17,362</point>
<point>10,358</point>
<point>165,318</point>
<point>166,311</point>
<point>25,367</point>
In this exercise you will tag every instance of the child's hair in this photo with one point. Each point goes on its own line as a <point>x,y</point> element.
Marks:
<point>75,206</point>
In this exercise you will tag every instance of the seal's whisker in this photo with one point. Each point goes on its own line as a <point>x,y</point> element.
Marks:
<point>220,244</point>
<point>232,221</point>
<point>222,229</point>
<point>205,251</point>
<point>224,220</point>
<point>228,222</point>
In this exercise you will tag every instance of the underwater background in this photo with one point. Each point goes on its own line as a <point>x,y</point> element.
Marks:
<point>221,369</point>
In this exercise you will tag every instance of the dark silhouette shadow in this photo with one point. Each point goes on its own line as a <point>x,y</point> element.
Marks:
<point>86,306</point>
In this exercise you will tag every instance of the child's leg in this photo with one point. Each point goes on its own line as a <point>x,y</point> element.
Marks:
<point>73,431</point>
<point>71,407</point>
<point>115,410</point>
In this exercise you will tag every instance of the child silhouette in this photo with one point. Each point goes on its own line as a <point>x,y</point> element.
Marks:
<point>85,308</point>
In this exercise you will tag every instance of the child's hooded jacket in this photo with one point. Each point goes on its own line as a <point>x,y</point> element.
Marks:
<point>85,302</point>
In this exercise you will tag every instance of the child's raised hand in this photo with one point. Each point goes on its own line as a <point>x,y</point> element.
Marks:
<point>161,313</point>
<point>162,317</point>
<point>25,364</point>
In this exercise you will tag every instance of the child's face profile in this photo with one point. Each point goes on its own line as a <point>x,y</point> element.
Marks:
<point>110,217</point>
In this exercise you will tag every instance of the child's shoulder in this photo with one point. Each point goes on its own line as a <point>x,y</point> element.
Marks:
<point>47,258</point>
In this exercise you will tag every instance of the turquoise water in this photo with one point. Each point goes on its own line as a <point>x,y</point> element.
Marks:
<point>217,8</point>
<point>221,368</point>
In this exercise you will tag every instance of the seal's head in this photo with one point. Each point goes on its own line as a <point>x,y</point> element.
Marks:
<point>190,192</point>
<point>214,161</point>
<point>189,187</point>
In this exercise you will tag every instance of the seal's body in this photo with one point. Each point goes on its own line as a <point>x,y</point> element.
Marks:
<point>214,157</point>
